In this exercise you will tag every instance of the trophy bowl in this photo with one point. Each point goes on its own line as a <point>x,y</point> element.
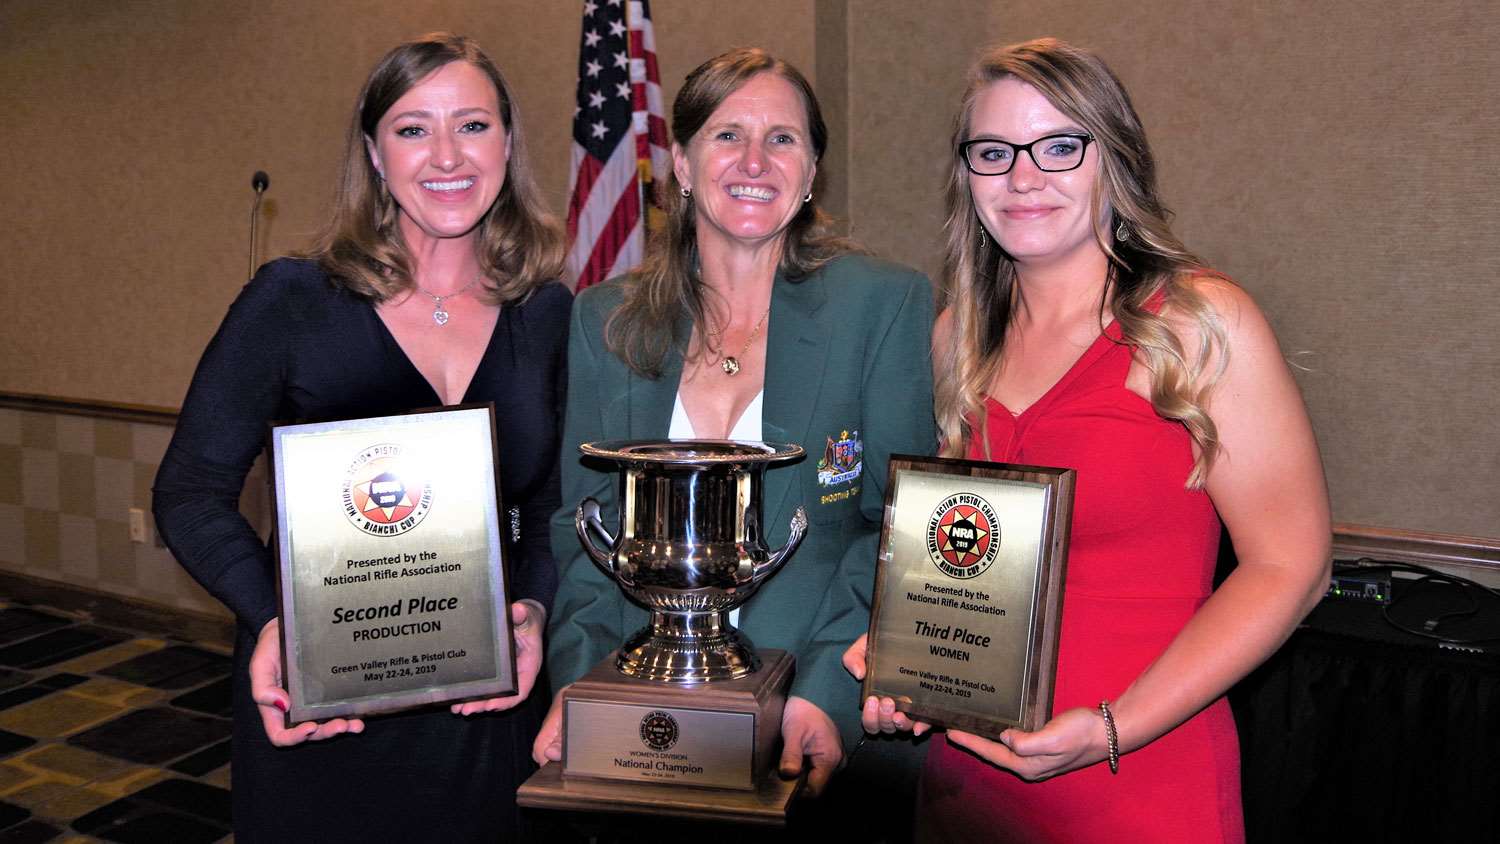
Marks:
<point>690,548</point>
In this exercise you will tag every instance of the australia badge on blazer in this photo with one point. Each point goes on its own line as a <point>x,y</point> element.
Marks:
<point>843,459</point>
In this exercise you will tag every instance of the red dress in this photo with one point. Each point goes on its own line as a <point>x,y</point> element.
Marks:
<point>1141,562</point>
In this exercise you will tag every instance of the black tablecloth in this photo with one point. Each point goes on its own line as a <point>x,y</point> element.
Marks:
<point>1355,730</point>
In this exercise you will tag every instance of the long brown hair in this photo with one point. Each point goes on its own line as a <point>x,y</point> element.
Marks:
<point>979,278</point>
<point>518,244</point>
<point>643,329</point>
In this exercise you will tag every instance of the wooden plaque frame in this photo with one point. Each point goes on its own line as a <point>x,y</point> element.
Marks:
<point>968,592</point>
<point>425,582</point>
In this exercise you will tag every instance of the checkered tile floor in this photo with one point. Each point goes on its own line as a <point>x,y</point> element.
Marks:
<point>110,734</point>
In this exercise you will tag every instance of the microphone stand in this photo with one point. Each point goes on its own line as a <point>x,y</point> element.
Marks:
<point>259,182</point>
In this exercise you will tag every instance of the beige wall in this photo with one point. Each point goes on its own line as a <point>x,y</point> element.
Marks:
<point>1333,157</point>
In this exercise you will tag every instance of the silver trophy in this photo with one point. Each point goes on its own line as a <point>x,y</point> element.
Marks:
<point>690,548</point>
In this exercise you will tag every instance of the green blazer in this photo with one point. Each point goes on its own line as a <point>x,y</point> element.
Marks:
<point>848,358</point>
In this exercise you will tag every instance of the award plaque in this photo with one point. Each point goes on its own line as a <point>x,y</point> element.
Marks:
<point>684,718</point>
<point>968,593</point>
<point>393,588</point>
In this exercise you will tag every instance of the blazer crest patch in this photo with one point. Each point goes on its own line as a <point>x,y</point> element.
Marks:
<point>843,459</point>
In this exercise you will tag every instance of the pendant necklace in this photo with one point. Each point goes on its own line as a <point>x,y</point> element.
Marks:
<point>731,363</point>
<point>439,315</point>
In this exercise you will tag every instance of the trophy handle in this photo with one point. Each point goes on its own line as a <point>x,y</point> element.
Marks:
<point>588,517</point>
<point>780,555</point>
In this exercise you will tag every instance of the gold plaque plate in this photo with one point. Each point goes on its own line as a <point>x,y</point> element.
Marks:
<point>716,735</point>
<point>968,594</point>
<point>393,589</point>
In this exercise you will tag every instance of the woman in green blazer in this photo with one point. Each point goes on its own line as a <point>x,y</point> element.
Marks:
<point>748,321</point>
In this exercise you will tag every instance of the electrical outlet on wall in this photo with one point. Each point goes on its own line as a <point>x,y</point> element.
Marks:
<point>137,525</point>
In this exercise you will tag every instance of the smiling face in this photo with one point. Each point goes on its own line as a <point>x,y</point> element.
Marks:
<point>1038,218</point>
<point>442,149</point>
<point>750,164</point>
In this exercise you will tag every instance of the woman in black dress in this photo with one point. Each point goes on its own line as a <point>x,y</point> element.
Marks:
<point>433,285</point>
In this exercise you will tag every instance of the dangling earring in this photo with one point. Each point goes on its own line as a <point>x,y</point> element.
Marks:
<point>687,193</point>
<point>1122,233</point>
<point>808,198</point>
<point>982,241</point>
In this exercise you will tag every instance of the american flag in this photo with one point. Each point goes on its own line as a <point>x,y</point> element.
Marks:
<point>619,140</point>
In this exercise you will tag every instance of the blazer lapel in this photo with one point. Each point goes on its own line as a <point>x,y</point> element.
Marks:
<point>651,399</point>
<point>796,353</point>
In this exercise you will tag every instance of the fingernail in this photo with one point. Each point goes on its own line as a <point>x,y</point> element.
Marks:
<point>281,704</point>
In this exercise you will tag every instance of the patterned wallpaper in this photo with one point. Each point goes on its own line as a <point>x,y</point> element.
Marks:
<point>67,484</point>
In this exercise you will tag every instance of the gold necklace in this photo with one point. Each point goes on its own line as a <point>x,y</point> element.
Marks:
<point>731,363</point>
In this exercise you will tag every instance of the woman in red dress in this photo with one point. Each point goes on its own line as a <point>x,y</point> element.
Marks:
<point>1080,332</point>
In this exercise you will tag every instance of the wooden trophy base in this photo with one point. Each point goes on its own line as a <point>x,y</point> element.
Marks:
<point>702,751</point>
<point>766,806</point>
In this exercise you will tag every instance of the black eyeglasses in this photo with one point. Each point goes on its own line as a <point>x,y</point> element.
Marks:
<point>1052,154</point>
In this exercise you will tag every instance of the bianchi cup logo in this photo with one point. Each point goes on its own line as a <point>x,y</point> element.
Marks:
<point>382,495</point>
<point>963,536</point>
<point>659,730</point>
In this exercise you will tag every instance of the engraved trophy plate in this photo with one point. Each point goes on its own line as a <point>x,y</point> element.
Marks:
<point>670,745</point>
<point>393,589</point>
<point>968,596</point>
<point>710,735</point>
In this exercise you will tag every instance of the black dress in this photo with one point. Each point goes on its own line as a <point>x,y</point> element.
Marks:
<point>294,347</point>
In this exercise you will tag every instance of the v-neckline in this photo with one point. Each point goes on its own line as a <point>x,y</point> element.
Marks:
<point>484,357</point>
<point>1107,338</point>
<point>756,404</point>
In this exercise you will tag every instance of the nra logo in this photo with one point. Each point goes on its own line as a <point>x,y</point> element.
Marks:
<point>963,536</point>
<point>659,730</point>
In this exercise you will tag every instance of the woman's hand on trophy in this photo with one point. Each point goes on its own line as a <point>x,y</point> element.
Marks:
<point>879,714</point>
<point>273,701</point>
<point>528,619</point>
<point>548,744</point>
<point>1072,740</point>
<point>808,732</point>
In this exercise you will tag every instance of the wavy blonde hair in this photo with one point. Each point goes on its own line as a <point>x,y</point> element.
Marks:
<point>979,278</point>
<point>643,329</point>
<point>518,244</point>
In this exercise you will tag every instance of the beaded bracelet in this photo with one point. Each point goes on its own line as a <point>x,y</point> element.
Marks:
<point>1111,737</point>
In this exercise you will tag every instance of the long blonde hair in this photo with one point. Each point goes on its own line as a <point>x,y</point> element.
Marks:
<point>979,278</point>
<point>643,329</point>
<point>518,244</point>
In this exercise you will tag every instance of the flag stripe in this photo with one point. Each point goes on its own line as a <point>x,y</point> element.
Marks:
<point>615,239</point>
<point>589,214</point>
<point>586,169</point>
<point>634,250</point>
